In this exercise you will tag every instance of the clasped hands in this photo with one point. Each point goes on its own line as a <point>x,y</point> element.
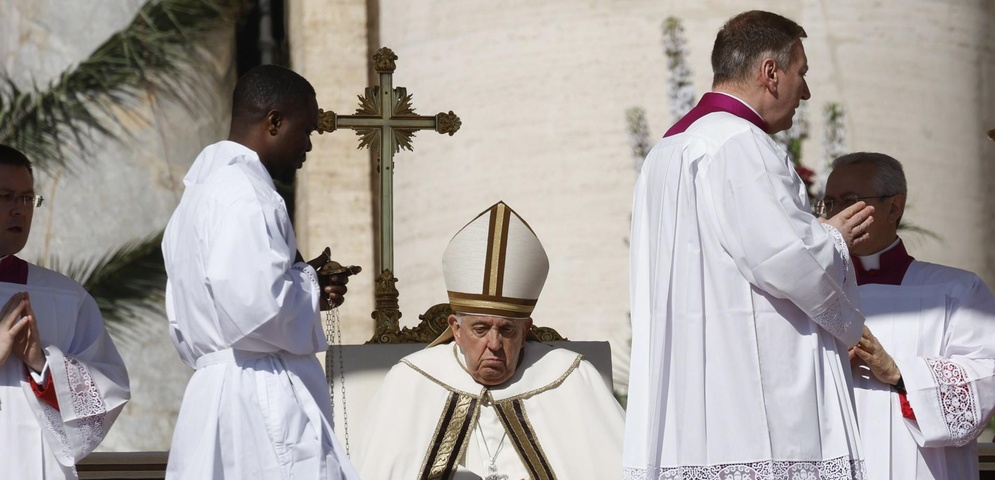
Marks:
<point>19,333</point>
<point>332,277</point>
<point>870,351</point>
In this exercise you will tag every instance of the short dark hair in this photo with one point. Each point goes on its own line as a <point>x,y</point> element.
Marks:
<point>269,87</point>
<point>12,156</point>
<point>748,38</point>
<point>889,178</point>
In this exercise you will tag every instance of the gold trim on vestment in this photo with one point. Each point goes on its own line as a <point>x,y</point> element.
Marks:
<point>491,298</point>
<point>524,439</point>
<point>550,386</point>
<point>442,384</point>
<point>461,305</point>
<point>511,412</point>
<point>452,437</point>
<point>505,212</point>
<point>494,250</point>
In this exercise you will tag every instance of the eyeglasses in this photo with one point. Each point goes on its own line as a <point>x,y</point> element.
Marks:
<point>22,200</point>
<point>828,205</point>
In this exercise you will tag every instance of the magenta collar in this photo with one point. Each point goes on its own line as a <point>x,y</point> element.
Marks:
<point>712,102</point>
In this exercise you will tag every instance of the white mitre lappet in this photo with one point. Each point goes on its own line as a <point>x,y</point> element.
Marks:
<point>495,265</point>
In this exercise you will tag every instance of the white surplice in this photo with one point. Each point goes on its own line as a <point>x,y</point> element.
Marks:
<point>90,380</point>
<point>245,315</point>
<point>743,306</point>
<point>937,326</point>
<point>557,417</point>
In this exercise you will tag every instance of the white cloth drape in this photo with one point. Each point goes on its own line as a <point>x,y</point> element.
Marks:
<point>936,326</point>
<point>246,317</point>
<point>89,377</point>
<point>743,306</point>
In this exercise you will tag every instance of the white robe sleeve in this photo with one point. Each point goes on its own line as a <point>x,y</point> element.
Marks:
<point>779,247</point>
<point>953,395</point>
<point>91,384</point>
<point>263,298</point>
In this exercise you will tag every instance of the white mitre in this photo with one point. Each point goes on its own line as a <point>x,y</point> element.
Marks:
<point>495,265</point>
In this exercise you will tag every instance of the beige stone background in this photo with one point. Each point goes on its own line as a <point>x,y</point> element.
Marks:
<point>541,88</point>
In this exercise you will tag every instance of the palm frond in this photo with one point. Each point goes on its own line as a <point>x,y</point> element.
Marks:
<point>126,282</point>
<point>51,125</point>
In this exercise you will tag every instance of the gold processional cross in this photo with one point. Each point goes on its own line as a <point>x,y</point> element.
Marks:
<point>386,122</point>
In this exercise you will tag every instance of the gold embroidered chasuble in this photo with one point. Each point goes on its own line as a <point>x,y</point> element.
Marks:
<point>554,419</point>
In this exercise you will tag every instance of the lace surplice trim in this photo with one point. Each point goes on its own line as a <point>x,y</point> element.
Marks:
<point>88,404</point>
<point>957,400</point>
<point>54,420</point>
<point>87,430</point>
<point>87,401</point>
<point>840,247</point>
<point>842,468</point>
<point>834,319</point>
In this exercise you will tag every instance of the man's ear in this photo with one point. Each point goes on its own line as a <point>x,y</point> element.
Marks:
<point>768,75</point>
<point>453,324</point>
<point>897,209</point>
<point>274,120</point>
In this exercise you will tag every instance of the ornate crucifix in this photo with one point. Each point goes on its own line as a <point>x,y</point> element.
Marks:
<point>386,122</point>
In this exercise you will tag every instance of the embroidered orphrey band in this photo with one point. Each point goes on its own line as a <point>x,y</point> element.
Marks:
<point>450,439</point>
<point>523,437</point>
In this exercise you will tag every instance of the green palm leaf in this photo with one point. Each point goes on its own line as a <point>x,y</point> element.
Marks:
<point>127,282</point>
<point>52,125</point>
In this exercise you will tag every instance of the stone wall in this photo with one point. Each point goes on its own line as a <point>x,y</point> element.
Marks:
<point>542,88</point>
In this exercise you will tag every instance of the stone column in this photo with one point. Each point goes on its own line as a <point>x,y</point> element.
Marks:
<point>328,44</point>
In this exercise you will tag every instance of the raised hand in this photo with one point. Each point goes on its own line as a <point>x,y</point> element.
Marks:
<point>27,345</point>
<point>12,323</point>
<point>852,222</point>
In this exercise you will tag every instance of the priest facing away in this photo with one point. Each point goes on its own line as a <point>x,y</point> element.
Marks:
<point>924,373</point>
<point>743,303</point>
<point>492,404</point>
<point>62,382</point>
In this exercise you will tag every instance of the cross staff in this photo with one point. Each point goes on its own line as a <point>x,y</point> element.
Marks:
<point>386,122</point>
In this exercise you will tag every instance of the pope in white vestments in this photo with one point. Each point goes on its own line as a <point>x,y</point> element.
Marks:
<point>927,389</point>
<point>491,405</point>
<point>743,303</point>
<point>242,311</point>
<point>52,418</point>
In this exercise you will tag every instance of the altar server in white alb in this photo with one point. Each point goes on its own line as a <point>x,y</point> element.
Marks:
<point>243,306</point>
<point>62,382</point>
<point>924,371</point>
<point>492,405</point>
<point>743,303</point>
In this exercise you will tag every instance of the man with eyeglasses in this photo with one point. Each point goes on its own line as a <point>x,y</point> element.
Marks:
<point>743,303</point>
<point>924,369</point>
<point>62,382</point>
